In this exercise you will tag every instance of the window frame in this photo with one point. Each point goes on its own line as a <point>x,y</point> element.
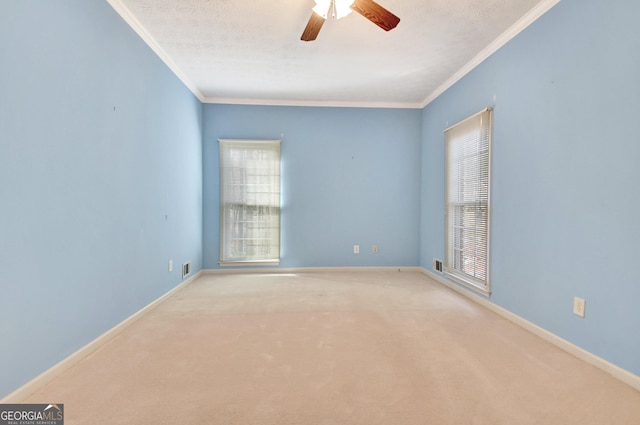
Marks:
<point>455,269</point>
<point>227,201</point>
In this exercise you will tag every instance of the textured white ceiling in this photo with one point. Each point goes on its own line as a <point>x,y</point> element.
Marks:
<point>249,51</point>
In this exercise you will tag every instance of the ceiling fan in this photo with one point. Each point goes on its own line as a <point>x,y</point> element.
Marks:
<point>340,8</point>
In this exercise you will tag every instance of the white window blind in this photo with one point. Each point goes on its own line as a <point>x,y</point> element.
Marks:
<point>468,163</point>
<point>249,202</point>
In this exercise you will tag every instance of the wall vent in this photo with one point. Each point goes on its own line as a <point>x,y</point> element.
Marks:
<point>186,269</point>
<point>437,265</point>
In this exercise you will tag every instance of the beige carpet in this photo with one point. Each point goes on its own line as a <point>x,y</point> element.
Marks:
<point>332,348</point>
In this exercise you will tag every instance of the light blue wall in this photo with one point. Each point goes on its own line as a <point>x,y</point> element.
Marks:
<point>108,169</point>
<point>100,179</point>
<point>565,193</point>
<point>349,176</point>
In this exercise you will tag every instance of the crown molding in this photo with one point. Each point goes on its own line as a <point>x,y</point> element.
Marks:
<point>313,103</point>
<point>126,14</point>
<point>137,26</point>
<point>535,13</point>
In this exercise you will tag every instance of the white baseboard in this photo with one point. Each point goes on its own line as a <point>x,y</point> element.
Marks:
<point>38,382</point>
<point>41,380</point>
<point>616,371</point>
<point>279,270</point>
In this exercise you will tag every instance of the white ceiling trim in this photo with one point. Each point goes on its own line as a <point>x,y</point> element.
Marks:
<point>135,24</point>
<point>313,103</point>
<point>503,39</point>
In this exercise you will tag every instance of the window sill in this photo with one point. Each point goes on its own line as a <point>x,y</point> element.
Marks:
<point>481,288</point>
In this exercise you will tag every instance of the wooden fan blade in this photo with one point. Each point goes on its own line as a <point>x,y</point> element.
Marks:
<point>313,27</point>
<point>376,14</point>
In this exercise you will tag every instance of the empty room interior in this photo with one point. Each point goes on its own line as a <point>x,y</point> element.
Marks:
<point>384,294</point>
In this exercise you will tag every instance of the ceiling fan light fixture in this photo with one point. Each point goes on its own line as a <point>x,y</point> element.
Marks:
<point>322,8</point>
<point>340,8</point>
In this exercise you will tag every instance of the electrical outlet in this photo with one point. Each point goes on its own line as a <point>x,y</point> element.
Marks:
<point>374,249</point>
<point>170,265</point>
<point>356,249</point>
<point>578,306</point>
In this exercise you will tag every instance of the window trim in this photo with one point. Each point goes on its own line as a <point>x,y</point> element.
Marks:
<point>247,262</point>
<point>479,285</point>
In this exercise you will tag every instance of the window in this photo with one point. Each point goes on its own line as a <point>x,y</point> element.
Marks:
<point>249,202</point>
<point>468,164</point>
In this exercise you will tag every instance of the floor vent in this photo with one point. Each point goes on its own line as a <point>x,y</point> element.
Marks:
<point>437,265</point>
<point>186,269</point>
